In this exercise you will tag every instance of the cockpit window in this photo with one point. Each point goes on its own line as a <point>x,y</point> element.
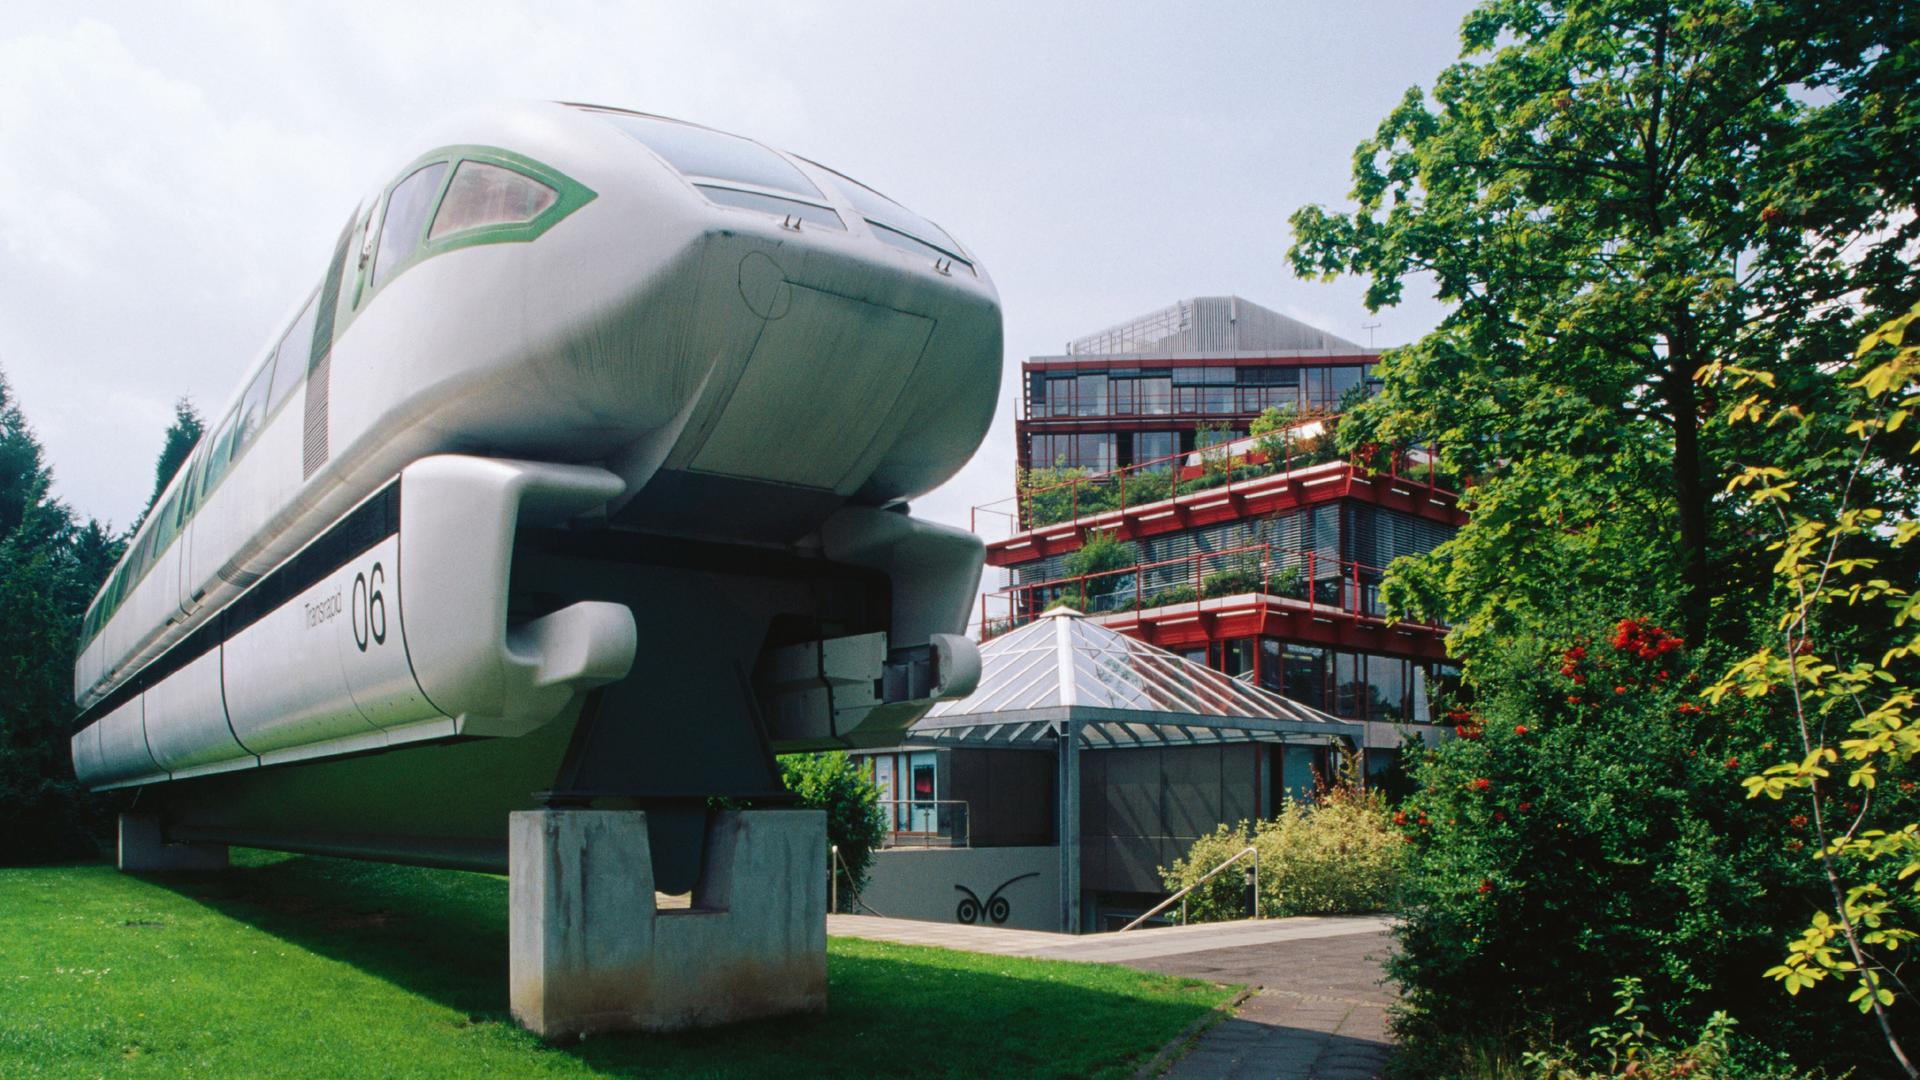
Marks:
<point>768,204</point>
<point>406,223</point>
<point>882,211</point>
<point>702,153</point>
<point>483,194</point>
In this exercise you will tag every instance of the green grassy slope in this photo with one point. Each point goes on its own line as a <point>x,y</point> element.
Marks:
<point>293,966</point>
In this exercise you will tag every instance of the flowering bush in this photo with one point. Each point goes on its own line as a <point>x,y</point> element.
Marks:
<point>1586,826</point>
<point>1337,854</point>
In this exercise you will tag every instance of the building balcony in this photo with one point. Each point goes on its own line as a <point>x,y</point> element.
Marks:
<point>1054,511</point>
<point>1244,592</point>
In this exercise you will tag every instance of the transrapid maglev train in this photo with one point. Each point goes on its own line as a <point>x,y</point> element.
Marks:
<point>580,475</point>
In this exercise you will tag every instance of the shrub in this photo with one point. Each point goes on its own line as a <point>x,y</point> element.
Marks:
<point>1048,495</point>
<point>1232,582</point>
<point>1272,432</point>
<point>1101,554</point>
<point>1588,824</point>
<point>1178,594</point>
<point>1335,855</point>
<point>1628,1049</point>
<point>855,822</point>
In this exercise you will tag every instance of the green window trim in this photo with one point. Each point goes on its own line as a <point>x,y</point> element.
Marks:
<point>570,195</point>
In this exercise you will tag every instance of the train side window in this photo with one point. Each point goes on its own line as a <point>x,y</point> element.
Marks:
<point>290,359</point>
<point>350,292</point>
<point>195,469</point>
<point>253,410</point>
<point>219,448</point>
<point>406,222</point>
<point>165,522</point>
<point>482,194</point>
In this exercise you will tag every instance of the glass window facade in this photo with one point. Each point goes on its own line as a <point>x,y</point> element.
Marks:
<point>1386,688</point>
<point>1236,657</point>
<point>1194,391</point>
<point>1350,685</point>
<point>1096,453</point>
<point>1155,446</point>
<point>1304,674</point>
<point>1090,396</point>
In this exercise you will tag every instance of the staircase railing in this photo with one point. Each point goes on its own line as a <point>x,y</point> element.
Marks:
<point>1181,896</point>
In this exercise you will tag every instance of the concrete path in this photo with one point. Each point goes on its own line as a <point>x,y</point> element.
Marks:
<point>1320,1013</point>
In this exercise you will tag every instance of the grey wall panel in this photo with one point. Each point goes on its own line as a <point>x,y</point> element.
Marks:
<point>1239,775</point>
<point>1009,795</point>
<point>928,884</point>
<point>1133,864</point>
<point>1191,775</point>
<point>1133,792</point>
<point>1093,794</point>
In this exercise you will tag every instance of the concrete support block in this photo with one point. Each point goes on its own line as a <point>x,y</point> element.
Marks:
<point>143,848</point>
<point>590,952</point>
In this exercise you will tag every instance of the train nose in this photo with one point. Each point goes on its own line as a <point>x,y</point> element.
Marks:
<point>818,390</point>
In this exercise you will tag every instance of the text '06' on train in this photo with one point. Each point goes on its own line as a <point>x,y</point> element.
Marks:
<point>580,474</point>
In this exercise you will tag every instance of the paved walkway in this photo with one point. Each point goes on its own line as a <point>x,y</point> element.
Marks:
<point>1320,1013</point>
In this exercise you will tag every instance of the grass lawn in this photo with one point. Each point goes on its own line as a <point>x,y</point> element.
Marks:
<point>297,966</point>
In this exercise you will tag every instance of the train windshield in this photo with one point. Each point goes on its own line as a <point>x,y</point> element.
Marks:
<point>882,211</point>
<point>704,153</point>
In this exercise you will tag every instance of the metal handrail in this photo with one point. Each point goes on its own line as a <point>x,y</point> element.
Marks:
<point>833,882</point>
<point>891,807</point>
<point>1181,896</point>
<point>1176,468</point>
<point>1025,601</point>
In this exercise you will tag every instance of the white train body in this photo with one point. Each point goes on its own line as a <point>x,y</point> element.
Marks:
<point>688,340</point>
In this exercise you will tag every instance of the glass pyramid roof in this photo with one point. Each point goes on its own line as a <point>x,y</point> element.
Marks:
<point>1063,660</point>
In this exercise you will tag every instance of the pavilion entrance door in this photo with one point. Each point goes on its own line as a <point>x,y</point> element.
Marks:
<point>922,814</point>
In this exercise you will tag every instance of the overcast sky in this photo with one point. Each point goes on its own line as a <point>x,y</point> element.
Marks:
<point>172,176</point>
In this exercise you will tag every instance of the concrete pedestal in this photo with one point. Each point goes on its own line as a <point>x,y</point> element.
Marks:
<point>142,848</point>
<point>590,952</point>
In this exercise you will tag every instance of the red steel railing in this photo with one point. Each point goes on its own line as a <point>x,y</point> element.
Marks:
<point>1160,479</point>
<point>1302,577</point>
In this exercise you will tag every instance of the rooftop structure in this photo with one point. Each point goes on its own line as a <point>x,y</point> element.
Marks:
<point>1210,324</point>
<point>1121,690</point>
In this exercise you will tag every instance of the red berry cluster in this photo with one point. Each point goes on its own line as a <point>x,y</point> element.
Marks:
<point>1639,638</point>
<point>1570,664</point>
<point>1465,724</point>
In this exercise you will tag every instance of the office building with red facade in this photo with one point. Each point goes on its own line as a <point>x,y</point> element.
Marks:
<point>1255,550</point>
<point>1260,558</point>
